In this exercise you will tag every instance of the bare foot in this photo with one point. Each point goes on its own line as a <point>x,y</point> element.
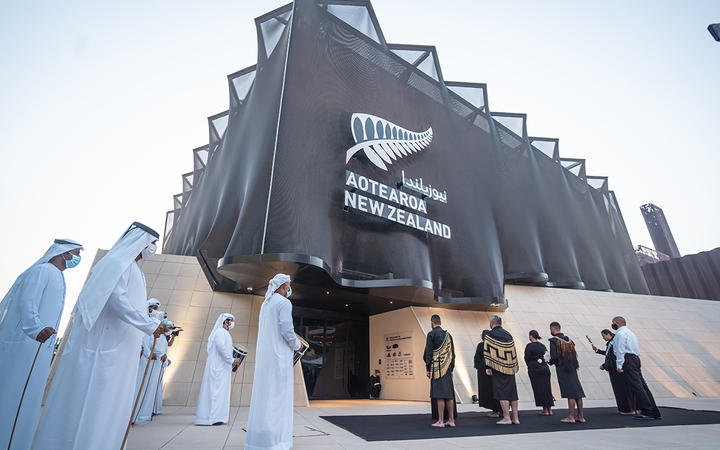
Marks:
<point>581,419</point>
<point>438,425</point>
<point>631,413</point>
<point>493,415</point>
<point>451,424</point>
<point>568,420</point>
<point>543,413</point>
<point>516,422</point>
<point>504,422</point>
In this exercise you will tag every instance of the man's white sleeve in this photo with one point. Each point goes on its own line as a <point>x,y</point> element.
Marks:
<point>224,348</point>
<point>620,344</point>
<point>286,325</point>
<point>119,304</point>
<point>29,297</point>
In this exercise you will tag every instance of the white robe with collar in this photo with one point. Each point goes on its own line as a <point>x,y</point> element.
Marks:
<point>91,396</point>
<point>37,304</point>
<point>148,392</point>
<point>214,400</point>
<point>270,421</point>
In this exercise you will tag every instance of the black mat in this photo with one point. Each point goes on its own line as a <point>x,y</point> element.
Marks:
<point>396,427</point>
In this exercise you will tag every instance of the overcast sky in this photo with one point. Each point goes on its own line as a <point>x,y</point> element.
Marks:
<point>101,103</point>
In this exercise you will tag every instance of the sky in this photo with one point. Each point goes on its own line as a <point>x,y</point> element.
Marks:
<point>101,103</point>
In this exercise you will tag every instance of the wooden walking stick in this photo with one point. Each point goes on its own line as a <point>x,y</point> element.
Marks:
<point>23,395</point>
<point>127,430</point>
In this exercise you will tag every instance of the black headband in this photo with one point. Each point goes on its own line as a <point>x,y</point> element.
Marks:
<point>143,227</point>
<point>63,241</point>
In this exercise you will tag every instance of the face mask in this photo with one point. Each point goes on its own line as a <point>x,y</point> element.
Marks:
<point>156,314</point>
<point>70,263</point>
<point>231,325</point>
<point>289,292</point>
<point>614,326</point>
<point>149,251</point>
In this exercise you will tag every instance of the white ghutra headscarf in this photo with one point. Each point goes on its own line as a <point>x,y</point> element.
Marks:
<point>58,247</point>
<point>277,281</point>
<point>106,273</point>
<point>218,325</point>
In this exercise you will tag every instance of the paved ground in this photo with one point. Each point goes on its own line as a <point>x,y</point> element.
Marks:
<point>175,430</point>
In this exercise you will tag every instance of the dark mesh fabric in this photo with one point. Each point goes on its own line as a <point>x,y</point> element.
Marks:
<point>515,212</point>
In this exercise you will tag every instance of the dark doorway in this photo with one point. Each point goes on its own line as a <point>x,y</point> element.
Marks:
<point>336,366</point>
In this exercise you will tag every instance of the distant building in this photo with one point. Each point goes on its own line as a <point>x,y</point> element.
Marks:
<point>692,276</point>
<point>659,230</point>
<point>647,255</point>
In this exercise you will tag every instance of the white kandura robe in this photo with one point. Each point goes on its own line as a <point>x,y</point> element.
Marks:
<point>157,408</point>
<point>38,304</point>
<point>270,423</point>
<point>147,398</point>
<point>214,400</point>
<point>91,397</point>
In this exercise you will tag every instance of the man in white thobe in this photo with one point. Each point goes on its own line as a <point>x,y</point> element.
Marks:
<point>29,317</point>
<point>92,393</point>
<point>213,407</point>
<point>147,381</point>
<point>270,423</point>
<point>157,407</point>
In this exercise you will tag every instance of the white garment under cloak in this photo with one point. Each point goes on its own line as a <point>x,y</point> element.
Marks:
<point>91,397</point>
<point>270,421</point>
<point>148,392</point>
<point>34,302</point>
<point>214,399</point>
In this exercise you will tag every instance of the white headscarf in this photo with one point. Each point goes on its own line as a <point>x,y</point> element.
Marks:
<point>153,302</point>
<point>106,273</point>
<point>171,326</point>
<point>218,325</point>
<point>58,247</point>
<point>277,281</point>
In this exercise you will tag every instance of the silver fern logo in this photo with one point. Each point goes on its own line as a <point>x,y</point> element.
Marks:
<point>384,142</point>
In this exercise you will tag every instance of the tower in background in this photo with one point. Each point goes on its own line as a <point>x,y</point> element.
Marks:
<point>659,230</point>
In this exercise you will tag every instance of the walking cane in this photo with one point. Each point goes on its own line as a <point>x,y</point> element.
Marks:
<point>23,395</point>
<point>127,430</point>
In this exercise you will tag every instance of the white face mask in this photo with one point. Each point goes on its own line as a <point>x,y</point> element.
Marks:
<point>231,325</point>
<point>149,251</point>
<point>157,314</point>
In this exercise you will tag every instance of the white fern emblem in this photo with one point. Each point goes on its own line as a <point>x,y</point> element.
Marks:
<point>384,142</point>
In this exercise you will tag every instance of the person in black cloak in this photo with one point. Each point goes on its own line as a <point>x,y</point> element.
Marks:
<point>539,373</point>
<point>375,385</point>
<point>564,357</point>
<point>439,360</point>
<point>623,396</point>
<point>485,390</point>
<point>502,365</point>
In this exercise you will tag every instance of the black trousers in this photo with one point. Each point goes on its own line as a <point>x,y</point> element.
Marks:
<point>637,385</point>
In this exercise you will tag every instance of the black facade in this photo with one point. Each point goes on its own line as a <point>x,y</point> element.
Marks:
<point>353,165</point>
<point>691,276</point>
